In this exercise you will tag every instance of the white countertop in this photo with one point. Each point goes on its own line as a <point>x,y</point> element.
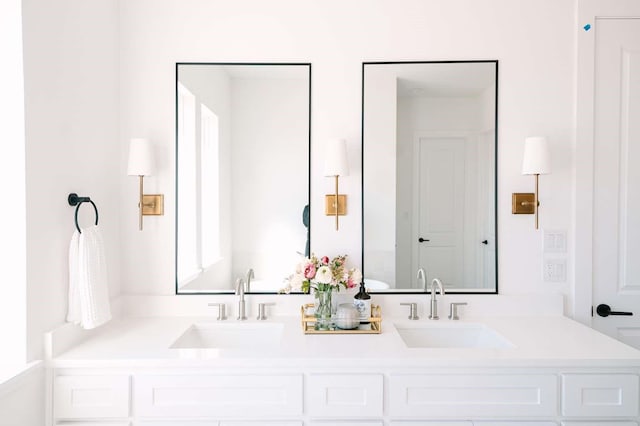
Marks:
<point>547,341</point>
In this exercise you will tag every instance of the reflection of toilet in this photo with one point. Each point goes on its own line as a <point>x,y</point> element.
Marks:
<point>371,284</point>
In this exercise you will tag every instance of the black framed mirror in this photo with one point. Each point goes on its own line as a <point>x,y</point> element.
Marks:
<point>429,178</point>
<point>243,139</point>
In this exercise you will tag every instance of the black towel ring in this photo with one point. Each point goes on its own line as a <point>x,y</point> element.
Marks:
<point>74,200</point>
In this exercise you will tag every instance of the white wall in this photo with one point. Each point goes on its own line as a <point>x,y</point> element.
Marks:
<point>533,40</point>
<point>380,128</point>
<point>269,115</point>
<point>22,399</point>
<point>71,94</point>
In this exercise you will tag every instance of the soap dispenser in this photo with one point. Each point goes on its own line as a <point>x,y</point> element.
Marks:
<point>362,301</point>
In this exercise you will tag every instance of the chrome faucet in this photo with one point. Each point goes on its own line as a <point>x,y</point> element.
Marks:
<point>434,303</point>
<point>241,306</point>
<point>250,276</point>
<point>421,276</point>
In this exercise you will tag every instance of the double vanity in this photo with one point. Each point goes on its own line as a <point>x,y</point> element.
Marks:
<point>529,370</point>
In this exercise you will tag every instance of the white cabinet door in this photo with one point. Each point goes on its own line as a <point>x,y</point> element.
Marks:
<point>514,423</point>
<point>221,396</point>
<point>256,423</point>
<point>344,396</point>
<point>431,423</point>
<point>472,395</point>
<point>599,424</point>
<point>91,397</point>
<point>346,423</point>
<point>600,395</point>
<point>94,424</point>
<point>174,423</point>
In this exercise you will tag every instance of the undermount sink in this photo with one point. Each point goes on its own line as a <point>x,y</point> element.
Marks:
<point>229,335</point>
<point>451,336</point>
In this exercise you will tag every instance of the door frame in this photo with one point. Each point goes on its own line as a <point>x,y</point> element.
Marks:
<point>589,12</point>
<point>415,175</point>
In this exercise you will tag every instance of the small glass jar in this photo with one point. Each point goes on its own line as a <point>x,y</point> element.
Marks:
<point>346,317</point>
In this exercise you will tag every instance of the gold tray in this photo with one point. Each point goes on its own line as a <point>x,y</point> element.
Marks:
<point>374,326</point>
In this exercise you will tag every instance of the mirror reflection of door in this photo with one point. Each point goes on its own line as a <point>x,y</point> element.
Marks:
<point>439,218</point>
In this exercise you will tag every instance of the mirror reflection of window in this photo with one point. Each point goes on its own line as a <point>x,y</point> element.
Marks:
<point>242,173</point>
<point>187,262</point>
<point>209,188</point>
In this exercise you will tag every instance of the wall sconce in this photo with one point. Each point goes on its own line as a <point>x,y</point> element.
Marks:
<point>336,165</point>
<point>141,164</point>
<point>536,161</point>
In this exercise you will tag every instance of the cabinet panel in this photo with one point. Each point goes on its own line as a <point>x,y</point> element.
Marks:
<point>232,423</point>
<point>93,424</point>
<point>352,395</point>
<point>600,395</point>
<point>176,423</point>
<point>472,395</point>
<point>513,423</point>
<point>254,396</point>
<point>599,424</point>
<point>431,423</point>
<point>91,397</point>
<point>351,423</point>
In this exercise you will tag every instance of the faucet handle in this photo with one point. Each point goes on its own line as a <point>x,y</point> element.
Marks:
<point>413,310</point>
<point>453,310</point>
<point>262,315</point>
<point>222,310</point>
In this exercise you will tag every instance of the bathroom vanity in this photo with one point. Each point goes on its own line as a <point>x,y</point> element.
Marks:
<point>479,371</point>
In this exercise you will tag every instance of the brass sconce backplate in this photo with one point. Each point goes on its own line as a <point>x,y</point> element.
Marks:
<point>330,205</point>
<point>153,205</point>
<point>523,203</point>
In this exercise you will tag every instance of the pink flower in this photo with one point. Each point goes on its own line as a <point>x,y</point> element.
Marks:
<point>310,271</point>
<point>325,260</point>
<point>351,283</point>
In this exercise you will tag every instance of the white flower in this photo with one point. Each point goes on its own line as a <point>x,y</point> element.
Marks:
<point>356,275</point>
<point>295,282</point>
<point>323,275</point>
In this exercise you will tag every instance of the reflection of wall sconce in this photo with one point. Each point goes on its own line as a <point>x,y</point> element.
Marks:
<point>336,165</point>
<point>536,161</point>
<point>141,164</point>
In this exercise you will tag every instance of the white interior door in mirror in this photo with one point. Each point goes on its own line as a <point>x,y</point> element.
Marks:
<point>616,227</point>
<point>439,220</point>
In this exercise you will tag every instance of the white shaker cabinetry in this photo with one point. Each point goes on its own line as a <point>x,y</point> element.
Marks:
<point>472,395</point>
<point>344,396</point>
<point>340,396</point>
<point>600,395</point>
<point>91,397</point>
<point>218,395</point>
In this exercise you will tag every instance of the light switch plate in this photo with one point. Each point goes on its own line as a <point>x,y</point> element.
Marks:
<point>554,270</point>
<point>554,241</point>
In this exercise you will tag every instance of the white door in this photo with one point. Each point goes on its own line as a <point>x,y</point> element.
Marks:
<point>439,209</point>
<point>485,239</point>
<point>616,207</point>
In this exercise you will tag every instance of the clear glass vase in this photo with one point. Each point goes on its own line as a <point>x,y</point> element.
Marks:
<point>323,308</point>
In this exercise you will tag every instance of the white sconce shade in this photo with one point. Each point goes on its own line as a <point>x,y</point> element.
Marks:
<point>536,159</point>
<point>140,158</point>
<point>336,163</point>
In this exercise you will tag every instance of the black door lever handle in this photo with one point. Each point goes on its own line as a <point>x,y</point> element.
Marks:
<point>605,310</point>
<point>422,240</point>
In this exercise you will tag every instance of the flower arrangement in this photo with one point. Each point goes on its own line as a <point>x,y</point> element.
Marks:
<point>322,274</point>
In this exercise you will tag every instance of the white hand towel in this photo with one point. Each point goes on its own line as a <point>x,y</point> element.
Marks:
<point>73,315</point>
<point>89,301</point>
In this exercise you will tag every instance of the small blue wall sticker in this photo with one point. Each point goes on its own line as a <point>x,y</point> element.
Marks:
<point>587,27</point>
